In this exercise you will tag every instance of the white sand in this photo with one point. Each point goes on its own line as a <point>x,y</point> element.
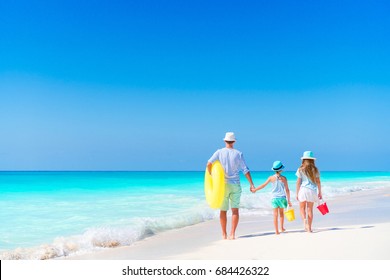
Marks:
<point>357,228</point>
<point>351,242</point>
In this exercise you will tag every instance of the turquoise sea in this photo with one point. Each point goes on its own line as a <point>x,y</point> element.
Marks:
<point>53,214</point>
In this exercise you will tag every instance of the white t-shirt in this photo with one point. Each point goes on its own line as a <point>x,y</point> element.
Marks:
<point>233,162</point>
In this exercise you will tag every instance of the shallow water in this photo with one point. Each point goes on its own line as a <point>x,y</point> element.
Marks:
<point>52,214</point>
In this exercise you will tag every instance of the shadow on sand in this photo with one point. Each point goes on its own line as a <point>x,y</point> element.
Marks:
<point>301,231</point>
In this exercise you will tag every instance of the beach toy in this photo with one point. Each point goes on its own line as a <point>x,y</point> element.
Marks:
<point>323,207</point>
<point>214,185</point>
<point>289,213</point>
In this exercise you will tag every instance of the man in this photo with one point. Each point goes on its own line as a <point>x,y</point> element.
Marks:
<point>233,162</point>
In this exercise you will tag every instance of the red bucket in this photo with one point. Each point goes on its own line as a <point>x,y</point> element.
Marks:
<point>323,207</point>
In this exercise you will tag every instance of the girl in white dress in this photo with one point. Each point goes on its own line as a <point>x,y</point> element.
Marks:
<point>308,188</point>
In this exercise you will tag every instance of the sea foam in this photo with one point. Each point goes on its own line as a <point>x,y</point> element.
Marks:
<point>109,210</point>
<point>100,238</point>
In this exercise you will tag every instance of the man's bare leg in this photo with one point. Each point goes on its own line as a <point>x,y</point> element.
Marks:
<point>235,219</point>
<point>223,221</point>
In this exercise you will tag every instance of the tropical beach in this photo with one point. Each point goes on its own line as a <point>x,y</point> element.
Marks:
<point>99,215</point>
<point>357,228</point>
<point>111,111</point>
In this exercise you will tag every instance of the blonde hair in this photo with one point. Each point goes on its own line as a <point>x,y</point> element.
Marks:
<point>309,168</point>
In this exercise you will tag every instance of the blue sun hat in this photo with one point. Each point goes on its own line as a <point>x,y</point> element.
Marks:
<point>308,155</point>
<point>277,166</point>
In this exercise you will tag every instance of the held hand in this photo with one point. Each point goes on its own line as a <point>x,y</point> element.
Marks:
<point>289,203</point>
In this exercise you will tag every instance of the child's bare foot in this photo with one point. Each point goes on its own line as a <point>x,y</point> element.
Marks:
<point>277,232</point>
<point>283,229</point>
<point>232,237</point>
<point>224,236</point>
<point>306,225</point>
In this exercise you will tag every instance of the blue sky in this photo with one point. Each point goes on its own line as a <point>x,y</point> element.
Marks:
<point>154,85</point>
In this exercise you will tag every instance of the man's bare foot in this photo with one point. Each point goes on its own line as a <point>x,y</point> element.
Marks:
<point>277,232</point>
<point>232,237</point>
<point>224,236</point>
<point>283,229</point>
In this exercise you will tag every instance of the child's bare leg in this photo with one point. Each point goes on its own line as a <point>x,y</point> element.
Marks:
<point>235,218</point>
<point>310,215</point>
<point>223,221</point>
<point>276,220</point>
<point>302,208</point>
<point>281,217</point>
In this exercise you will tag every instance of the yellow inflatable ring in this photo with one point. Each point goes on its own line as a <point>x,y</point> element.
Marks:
<point>214,185</point>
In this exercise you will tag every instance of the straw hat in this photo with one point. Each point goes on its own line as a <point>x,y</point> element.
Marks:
<point>308,155</point>
<point>229,136</point>
<point>277,166</point>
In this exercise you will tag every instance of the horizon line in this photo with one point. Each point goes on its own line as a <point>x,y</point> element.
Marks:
<point>177,170</point>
